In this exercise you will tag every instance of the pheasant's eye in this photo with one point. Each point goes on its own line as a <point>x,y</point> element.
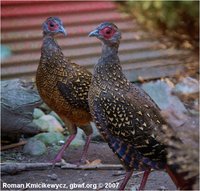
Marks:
<point>107,32</point>
<point>52,26</point>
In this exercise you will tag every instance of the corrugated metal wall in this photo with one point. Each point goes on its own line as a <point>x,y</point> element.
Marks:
<point>140,53</point>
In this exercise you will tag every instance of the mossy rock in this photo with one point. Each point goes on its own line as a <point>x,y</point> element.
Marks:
<point>37,113</point>
<point>50,138</point>
<point>34,147</point>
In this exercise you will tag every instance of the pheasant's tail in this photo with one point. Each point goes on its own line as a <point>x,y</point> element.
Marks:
<point>128,155</point>
<point>178,178</point>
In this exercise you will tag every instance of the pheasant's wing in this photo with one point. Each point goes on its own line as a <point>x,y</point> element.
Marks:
<point>150,113</point>
<point>106,122</point>
<point>75,88</point>
<point>133,121</point>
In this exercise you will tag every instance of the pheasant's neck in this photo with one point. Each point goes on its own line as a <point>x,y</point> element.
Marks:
<point>108,68</point>
<point>50,46</point>
<point>110,50</point>
<point>51,53</point>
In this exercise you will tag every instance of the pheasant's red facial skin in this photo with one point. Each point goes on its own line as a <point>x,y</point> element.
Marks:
<point>107,32</point>
<point>52,26</point>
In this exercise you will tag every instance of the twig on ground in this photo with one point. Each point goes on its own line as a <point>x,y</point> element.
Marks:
<point>13,168</point>
<point>93,167</point>
<point>13,145</point>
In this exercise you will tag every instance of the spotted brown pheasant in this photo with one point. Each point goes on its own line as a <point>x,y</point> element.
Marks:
<point>125,115</point>
<point>63,85</point>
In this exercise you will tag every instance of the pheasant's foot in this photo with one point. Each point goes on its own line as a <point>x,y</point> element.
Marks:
<point>56,160</point>
<point>61,152</point>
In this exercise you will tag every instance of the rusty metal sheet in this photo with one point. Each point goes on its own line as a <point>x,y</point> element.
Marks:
<point>141,54</point>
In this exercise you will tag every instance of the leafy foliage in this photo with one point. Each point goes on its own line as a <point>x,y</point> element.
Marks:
<point>177,17</point>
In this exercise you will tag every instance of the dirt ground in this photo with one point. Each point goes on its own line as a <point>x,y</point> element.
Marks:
<point>72,178</point>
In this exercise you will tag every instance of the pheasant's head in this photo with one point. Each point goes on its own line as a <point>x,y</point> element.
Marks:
<point>53,26</point>
<point>108,33</point>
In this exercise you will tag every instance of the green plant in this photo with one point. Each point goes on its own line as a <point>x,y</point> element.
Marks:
<point>177,17</point>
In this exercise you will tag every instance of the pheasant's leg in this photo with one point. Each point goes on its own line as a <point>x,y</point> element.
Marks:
<point>85,149</point>
<point>144,179</point>
<point>60,153</point>
<point>126,179</point>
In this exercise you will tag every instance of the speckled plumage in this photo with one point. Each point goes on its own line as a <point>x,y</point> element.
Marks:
<point>63,85</point>
<point>126,116</point>
<point>126,111</point>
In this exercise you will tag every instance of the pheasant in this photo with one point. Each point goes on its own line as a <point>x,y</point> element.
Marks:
<point>127,118</point>
<point>64,86</point>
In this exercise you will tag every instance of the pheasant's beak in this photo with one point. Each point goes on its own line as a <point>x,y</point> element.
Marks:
<point>62,30</point>
<point>94,33</point>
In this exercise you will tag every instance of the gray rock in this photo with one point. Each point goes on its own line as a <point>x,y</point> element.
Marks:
<point>54,125</point>
<point>18,100</point>
<point>187,86</point>
<point>78,140</point>
<point>34,147</point>
<point>160,92</point>
<point>37,113</point>
<point>96,136</point>
<point>42,124</point>
<point>48,123</point>
<point>50,138</point>
<point>53,176</point>
<point>57,117</point>
<point>44,107</point>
